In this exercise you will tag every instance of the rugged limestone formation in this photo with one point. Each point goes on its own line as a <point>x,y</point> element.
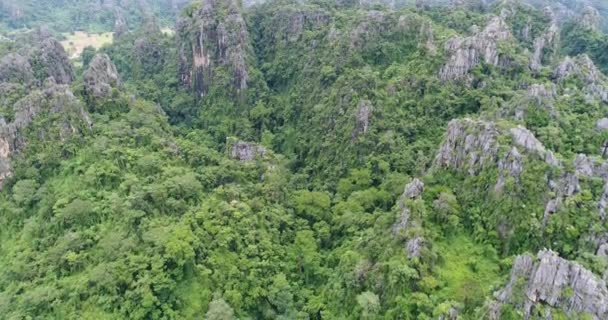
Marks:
<point>290,22</point>
<point>364,113</point>
<point>596,84</point>
<point>148,56</point>
<point>63,115</point>
<point>550,281</point>
<point>407,227</point>
<point>213,35</point>
<point>590,19</point>
<point>524,138</point>
<point>49,59</point>
<point>602,124</point>
<point>413,189</point>
<point>120,24</point>
<point>470,145</point>
<point>246,151</point>
<point>16,68</point>
<point>550,39</point>
<point>101,77</point>
<point>466,53</point>
<point>374,25</point>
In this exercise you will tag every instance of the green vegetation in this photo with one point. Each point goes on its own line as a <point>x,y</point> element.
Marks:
<point>149,215</point>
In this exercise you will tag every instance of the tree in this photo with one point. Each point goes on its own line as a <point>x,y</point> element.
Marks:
<point>219,310</point>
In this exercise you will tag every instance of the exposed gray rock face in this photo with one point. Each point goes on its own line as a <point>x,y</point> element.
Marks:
<point>511,165</point>
<point>289,23</point>
<point>470,146</point>
<point>246,151</point>
<point>52,61</point>
<point>586,166</point>
<point>414,247</point>
<point>602,124</point>
<point>148,56</point>
<point>413,189</point>
<point>524,138</point>
<point>596,84</point>
<point>372,27</point>
<point>590,20</point>
<point>69,118</point>
<point>541,92</point>
<point>550,39</point>
<point>466,53</point>
<point>120,24</point>
<point>407,227</point>
<point>101,76</point>
<point>412,24</point>
<point>364,113</point>
<point>16,68</point>
<point>213,36</point>
<point>555,282</point>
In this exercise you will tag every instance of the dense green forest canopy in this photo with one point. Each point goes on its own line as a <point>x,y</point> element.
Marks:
<point>318,159</point>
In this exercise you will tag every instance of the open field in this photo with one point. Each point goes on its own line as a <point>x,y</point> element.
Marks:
<point>75,42</point>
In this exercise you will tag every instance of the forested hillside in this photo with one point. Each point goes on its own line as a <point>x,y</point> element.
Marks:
<point>321,159</point>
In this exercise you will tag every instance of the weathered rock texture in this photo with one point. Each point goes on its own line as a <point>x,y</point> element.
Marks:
<point>63,116</point>
<point>101,77</point>
<point>548,40</point>
<point>590,19</point>
<point>49,59</point>
<point>596,84</point>
<point>407,227</point>
<point>363,118</point>
<point>120,24</point>
<point>213,36</point>
<point>246,151</point>
<point>470,145</point>
<point>289,23</point>
<point>16,68</point>
<point>466,53</point>
<point>550,281</point>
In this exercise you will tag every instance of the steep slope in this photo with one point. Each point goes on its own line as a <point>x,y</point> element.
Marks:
<point>310,160</point>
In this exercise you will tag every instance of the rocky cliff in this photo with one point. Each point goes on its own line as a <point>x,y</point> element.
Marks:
<point>212,40</point>
<point>467,52</point>
<point>101,77</point>
<point>61,115</point>
<point>548,283</point>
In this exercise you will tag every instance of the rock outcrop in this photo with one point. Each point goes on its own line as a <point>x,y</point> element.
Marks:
<point>406,228</point>
<point>101,77</point>
<point>596,84</point>
<point>550,39</point>
<point>550,281</point>
<point>120,24</point>
<point>289,23</point>
<point>466,53</point>
<point>602,124</point>
<point>246,151</point>
<point>49,59</point>
<point>64,116</point>
<point>470,145</point>
<point>526,139</point>
<point>213,35</point>
<point>363,118</point>
<point>590,19</point>
<point>16,68</point>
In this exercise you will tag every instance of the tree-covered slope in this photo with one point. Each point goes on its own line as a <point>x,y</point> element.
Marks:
<point>310,160</point>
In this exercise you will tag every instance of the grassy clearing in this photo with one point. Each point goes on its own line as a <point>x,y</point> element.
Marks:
<point>469,271</point>
<point>75,42</point>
